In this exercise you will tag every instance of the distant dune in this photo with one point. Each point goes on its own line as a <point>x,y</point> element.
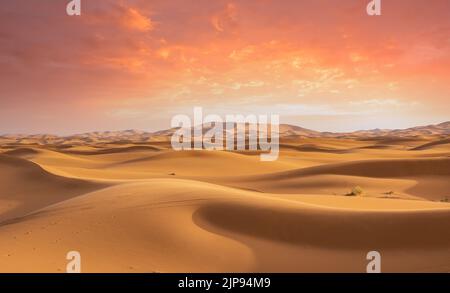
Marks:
<point>438,143</point>
<point>21,152</point>
<point>377,168</point>
<point>285,131</point>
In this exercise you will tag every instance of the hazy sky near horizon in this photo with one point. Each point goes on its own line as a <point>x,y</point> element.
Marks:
<point>320,64</point>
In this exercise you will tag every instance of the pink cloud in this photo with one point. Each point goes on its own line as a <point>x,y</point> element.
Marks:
<point>160,53</point>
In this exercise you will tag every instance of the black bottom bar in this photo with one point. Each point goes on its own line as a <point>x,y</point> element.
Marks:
<point>229,282</point>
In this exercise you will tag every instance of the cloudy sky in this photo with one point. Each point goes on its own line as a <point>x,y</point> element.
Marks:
<point>320,64</point>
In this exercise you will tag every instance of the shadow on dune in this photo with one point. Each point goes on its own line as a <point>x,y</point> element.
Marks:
<point>432,144</point>
<point>28,187</point>
<point>111,150</point>
<point>314,148</point>
<point>327,228</point>
<point>373,168</point>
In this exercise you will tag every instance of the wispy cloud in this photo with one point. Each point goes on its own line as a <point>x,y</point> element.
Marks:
<point>288,58</point>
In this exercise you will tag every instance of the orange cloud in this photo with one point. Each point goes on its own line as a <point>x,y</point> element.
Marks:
<point>135,20</point>
<point>219,54</point>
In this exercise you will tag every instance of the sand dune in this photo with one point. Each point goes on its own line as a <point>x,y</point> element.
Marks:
<point>101,151</point>
<point>378,168</point>
<point>141,207</point>
<point>315,148</point>
<point>440,143</point>
<point>26,187</point>
<point>149,164</point>
<point>425,178</point>
<point>296,224</point>
<point>182,225</point>
<point>22,152</point>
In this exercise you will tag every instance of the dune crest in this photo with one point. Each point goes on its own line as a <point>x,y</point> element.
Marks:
<point>181,225</point>
<point>129,203</point>
<point>27,187</point>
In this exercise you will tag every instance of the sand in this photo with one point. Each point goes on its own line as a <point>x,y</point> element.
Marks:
<point>141,207</point>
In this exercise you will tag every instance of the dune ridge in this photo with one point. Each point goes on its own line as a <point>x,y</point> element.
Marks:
<point>141,207</point>
<point>19,179</point>
<point>179,225</point>
<point>376,168</point>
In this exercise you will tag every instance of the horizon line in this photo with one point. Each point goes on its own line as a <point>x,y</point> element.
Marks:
<point>153,132</point>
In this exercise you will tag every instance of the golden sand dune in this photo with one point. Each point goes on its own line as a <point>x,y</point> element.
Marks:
<point>376,168</point>
<point>145,164</point>
<point>315,148</point>
<point>22,152</point>
<point>141,207</point>
<point>171,225</point>
<point>438,143</point>
<point>100,151</point>
<point>425,178</point>
<point>26,187</point>
<point>200,163</point>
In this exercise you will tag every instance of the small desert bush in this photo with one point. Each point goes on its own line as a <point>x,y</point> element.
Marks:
<point>355,191</point>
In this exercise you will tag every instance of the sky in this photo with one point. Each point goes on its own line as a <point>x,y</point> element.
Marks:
<point>319,64</point>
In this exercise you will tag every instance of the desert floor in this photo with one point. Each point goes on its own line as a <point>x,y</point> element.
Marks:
<point>146,208</point>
